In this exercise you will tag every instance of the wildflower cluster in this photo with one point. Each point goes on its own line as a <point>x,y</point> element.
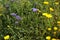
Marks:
<point>29,20</point>
<point>16,16</point>
<point>47,15</point>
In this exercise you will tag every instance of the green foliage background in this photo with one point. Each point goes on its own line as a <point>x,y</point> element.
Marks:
<point>33,26</point>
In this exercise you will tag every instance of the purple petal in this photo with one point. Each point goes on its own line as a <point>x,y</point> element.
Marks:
<point>34,9</point>
<point>18,17</point>
<point>13,14</point>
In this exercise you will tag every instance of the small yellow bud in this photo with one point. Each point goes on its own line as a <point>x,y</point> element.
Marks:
<point>51,9</point>
<point>46,3</point>
<point>55,28</point>
<point>49,29</point>
<point>56,3</point>
<point>48,37</point>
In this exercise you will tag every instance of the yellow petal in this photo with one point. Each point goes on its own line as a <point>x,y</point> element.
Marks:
<point>49,29</point>
<point>48,37</point>
<point>51,9</point>
<point>58,21</point>
<point>46,3</point>
<point>6,37</point>
<point>55,28</point>
<point>56,3</point>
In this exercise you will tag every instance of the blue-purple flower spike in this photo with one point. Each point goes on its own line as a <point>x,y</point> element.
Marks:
<point>34,9</point>
<point>18,17</point>
<point>13,14</point>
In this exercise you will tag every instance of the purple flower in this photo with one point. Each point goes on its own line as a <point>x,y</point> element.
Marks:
<point>18,17</point>
<point>13,14</point>
<point>34,9</point>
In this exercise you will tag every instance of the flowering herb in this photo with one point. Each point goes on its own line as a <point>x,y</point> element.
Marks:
<point>18,17</point>
<point>34,9</point>
<point>13,14</point>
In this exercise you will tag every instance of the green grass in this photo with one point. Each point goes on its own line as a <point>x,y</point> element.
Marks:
<point>33,26</point>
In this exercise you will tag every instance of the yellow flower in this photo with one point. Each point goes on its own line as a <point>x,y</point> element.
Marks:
<point>47,15</point>
<point>58,22</point>
<point>53,39</point>
<point>48,37</point>
<point>55,28</point>
<point>56,3</point>
<point>46,3</point>
<point>44,14</point>
<point>49,29</point>
<point>51,9</point>
<point>6,37</point>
